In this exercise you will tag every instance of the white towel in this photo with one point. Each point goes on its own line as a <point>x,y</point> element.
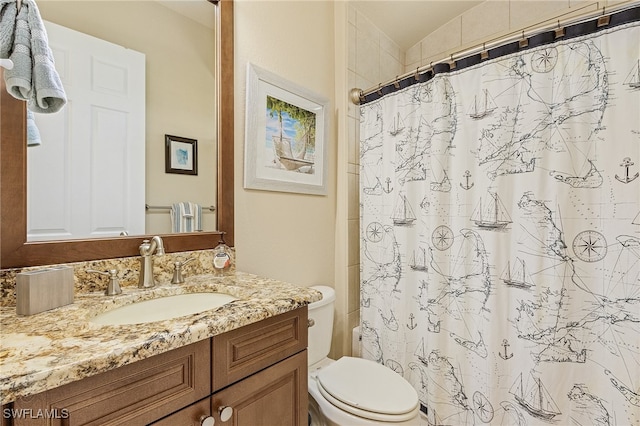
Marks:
<point>33,133</point>
<point>186,217</point>
<point>33,77</point>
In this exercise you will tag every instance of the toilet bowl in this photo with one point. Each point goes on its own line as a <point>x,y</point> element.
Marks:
<point>352,391</point>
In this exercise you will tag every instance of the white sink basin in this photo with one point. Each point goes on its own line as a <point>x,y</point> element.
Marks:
<point>163,308</point>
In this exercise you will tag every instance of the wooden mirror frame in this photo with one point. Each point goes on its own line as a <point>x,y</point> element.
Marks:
<point>16,251</point>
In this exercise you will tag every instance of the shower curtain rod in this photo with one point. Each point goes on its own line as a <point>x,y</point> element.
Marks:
<point>357,95</point>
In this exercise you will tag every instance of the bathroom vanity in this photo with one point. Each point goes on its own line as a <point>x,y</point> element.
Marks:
<point>243,363</point>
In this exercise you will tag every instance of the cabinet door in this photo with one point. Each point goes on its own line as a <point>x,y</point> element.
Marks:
<point>239,353</point>
<point>274,396</point>
<point>192,415</point>
<point>135,394</point>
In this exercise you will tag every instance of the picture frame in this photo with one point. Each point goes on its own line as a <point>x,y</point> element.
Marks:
<point>181,155</point>
<point>286,132</point>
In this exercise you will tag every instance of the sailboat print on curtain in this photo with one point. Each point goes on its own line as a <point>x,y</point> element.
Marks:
<point>516,275</point>
<point>419,262</point>
<point>535,398</point>
<point>483,106</point>
<point>403,214</point>
<point>491,215</point>
<point>633,79</point>
<point>398,126</point>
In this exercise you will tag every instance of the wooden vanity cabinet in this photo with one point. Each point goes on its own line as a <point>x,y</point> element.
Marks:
<point>259,371</point>
<point>259,375</point>
<point>275,396</point>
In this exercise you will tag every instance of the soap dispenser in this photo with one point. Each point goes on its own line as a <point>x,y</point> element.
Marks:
<point>221,257</point>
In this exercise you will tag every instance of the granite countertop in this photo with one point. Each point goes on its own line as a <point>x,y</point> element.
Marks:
<point>59,346</point>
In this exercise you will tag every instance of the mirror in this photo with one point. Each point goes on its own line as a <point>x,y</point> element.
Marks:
<point>101,159</point>
<point>17,252</point>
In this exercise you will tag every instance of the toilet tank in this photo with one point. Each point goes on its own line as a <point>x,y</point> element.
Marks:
<point>321,312</point>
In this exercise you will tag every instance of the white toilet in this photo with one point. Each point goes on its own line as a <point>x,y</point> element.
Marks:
<point>352,391</point>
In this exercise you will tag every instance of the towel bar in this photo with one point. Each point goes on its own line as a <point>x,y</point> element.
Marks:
<point>148,207</point>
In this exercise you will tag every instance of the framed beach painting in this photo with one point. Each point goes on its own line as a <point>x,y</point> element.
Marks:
<point>181,155</point>
<point>285,136</point>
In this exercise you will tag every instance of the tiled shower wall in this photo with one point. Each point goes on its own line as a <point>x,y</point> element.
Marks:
<point>492,20</point>
<point>374,58</point>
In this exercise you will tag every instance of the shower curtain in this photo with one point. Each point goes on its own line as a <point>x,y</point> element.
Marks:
<point>500,235</point>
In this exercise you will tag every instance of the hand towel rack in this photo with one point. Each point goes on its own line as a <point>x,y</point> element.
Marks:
<point>148,207</point>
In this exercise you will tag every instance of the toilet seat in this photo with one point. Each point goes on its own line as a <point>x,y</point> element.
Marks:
<point>368,389</point>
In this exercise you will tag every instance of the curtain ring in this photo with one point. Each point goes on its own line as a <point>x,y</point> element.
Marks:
<point>524,42</point>
<point>604,19</point>
<point>484,54</point>
<point>452,63</point>
<point>396,83</point>
<point>379,89</point>
<point>559,31</point>
<point>417,74</point>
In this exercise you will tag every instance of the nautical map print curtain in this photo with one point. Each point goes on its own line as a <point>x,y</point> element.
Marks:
<point>500,236</point>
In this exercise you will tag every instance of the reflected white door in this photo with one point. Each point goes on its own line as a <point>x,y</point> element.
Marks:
<point>86,179</point>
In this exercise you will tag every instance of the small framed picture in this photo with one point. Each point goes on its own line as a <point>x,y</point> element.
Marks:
<point>181,155</point>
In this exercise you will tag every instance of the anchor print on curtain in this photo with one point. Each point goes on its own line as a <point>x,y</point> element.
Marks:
<point>500,240</point>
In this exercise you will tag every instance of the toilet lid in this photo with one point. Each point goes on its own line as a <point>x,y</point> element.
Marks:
<point>368,389</point>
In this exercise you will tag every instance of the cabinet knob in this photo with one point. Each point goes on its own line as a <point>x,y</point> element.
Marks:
<point>311,322</point>
<point>207,421</point>
<point>225,413</point>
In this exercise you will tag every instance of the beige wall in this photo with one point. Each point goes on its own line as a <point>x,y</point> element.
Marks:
<point>180,86</point>
<point>286,236</point>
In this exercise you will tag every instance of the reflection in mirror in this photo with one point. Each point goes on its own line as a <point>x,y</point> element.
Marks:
<point>16,252</point>
<point>101,190</point>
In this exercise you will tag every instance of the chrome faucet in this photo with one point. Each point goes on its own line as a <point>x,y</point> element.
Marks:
<point>147,248</point>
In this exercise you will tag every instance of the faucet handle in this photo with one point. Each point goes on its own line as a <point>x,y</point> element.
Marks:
<point>113,287</point>
<point>177,272</point>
